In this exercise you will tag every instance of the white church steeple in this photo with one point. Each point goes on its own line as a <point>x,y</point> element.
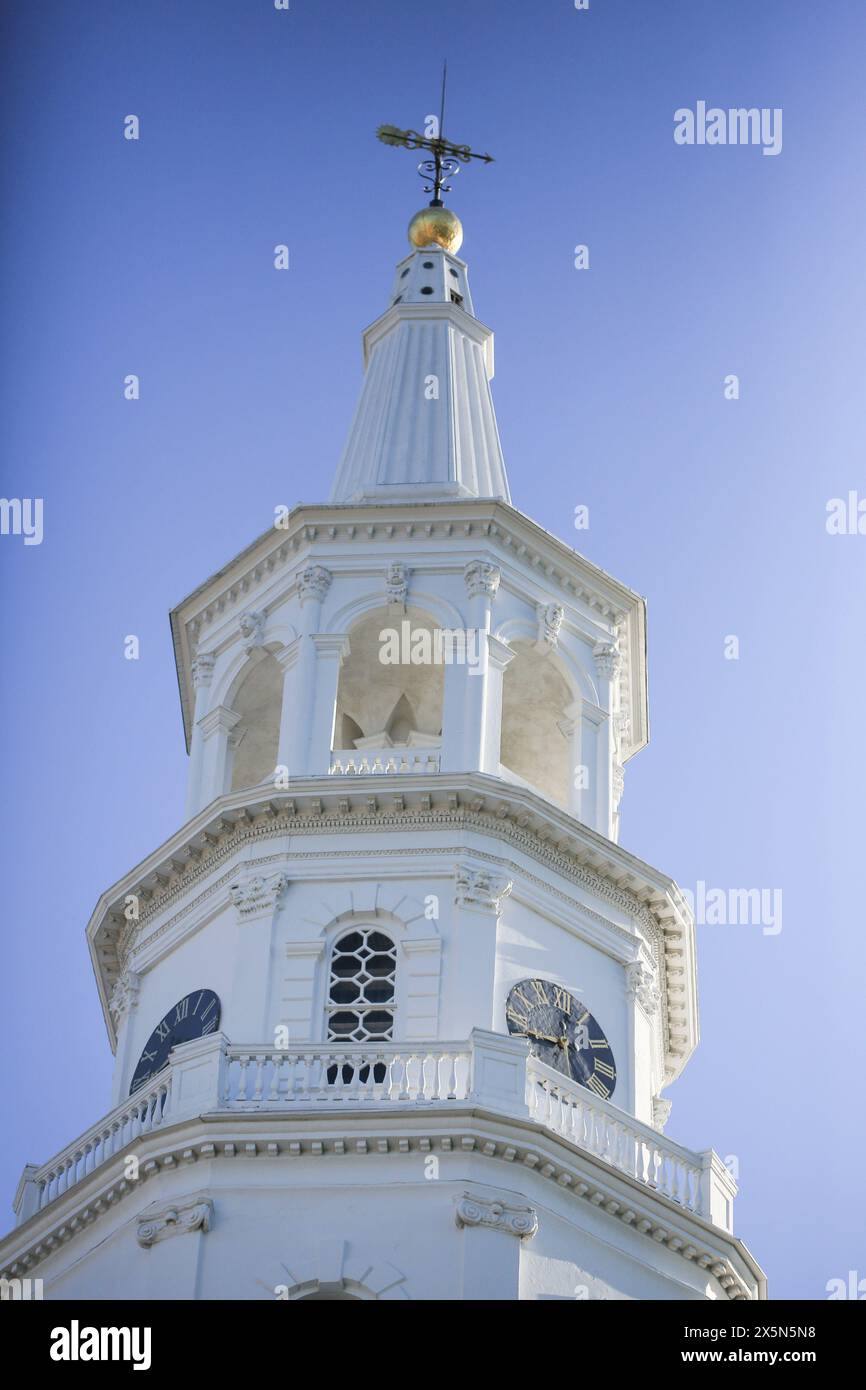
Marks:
<point>395,936</point>
<point>425,426</point>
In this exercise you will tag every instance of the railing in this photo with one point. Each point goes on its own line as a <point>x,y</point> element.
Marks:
<point>572,1111</point>
<point>141,1114</point>
<point>417,760</point>
<point>490,1071</point>
<point>379,1073</point>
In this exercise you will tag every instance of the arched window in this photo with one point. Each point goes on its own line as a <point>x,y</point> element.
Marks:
<point>362,987</point>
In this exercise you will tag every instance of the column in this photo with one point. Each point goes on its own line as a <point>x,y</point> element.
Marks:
<point>330,649</point>
<point>465,744</point>
<point>216,734</point>
<point>298,993</point>
<point>644,998</point>
<point>256,899</point>
<point>587,728</point>
<point>478,897</point>
<point>202,674</point>
<point>288,750</point>
<point>123,1005</point>
<point>299,693</point>
<point>499,655</point>
<point>607,664</point>
<point>492,1228</point>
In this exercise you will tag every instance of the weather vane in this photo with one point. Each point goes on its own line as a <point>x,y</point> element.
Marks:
<point>447,157</point>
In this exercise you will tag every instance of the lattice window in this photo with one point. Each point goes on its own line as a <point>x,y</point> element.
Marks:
<point>361,987</point>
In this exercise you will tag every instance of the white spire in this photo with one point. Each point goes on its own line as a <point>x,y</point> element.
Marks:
<point>425,425</point>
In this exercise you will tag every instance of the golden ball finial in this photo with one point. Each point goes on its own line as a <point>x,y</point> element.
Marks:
<point>436,227</point>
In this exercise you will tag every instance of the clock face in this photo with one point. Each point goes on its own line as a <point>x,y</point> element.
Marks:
<point>562,1033</point>
<point>194,1016</point>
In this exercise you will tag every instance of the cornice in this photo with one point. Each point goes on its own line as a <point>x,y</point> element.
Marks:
<point>324,807</point>
<point>452,1129</point>
<point>436,311</point>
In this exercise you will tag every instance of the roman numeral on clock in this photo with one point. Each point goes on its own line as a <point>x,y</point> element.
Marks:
<point>593,1084</point>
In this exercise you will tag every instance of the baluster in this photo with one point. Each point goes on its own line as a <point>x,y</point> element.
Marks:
<point>399,1078</point>
<point>557,1100</point>
<point>274,1091</point>
<point>356,1066</point>
<point>451,1076</point>
<point>696,1195</point>
<point>339,1083</point>
<point>294,1079</point>
<point>261,1063</point>
<point>655,1165</point>
<point>243,1063</point>
<point>427,1077</point>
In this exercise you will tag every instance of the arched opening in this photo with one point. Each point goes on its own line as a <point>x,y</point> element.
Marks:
<point>533,747</point>
<point>391,688</point>
<point>256,735</point>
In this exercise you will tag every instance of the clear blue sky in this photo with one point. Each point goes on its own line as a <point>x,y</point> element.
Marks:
<point>156,258</point>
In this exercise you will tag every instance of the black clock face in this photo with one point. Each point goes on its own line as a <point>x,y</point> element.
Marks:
<point>562,1033</point>
<point>194,1016</point>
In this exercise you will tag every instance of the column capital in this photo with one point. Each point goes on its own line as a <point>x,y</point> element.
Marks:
<point>331,644</point>
<point>162,1220</point>
<point>642,985</point>
<point>314,583</point>
<point>288,655</point>
<point>480,889</point>
<point>499,652</point>
<point>661,1112</point>
<point>257,895</point>
<point>504,1216</point>
<point>608,659</point>
<point>582,708</point>
<point>482,578</point>
<point>221,719</point>
<point>202,669</point>
<point>124,995</point>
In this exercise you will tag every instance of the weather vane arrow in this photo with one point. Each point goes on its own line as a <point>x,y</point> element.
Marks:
<point>446,156</point>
